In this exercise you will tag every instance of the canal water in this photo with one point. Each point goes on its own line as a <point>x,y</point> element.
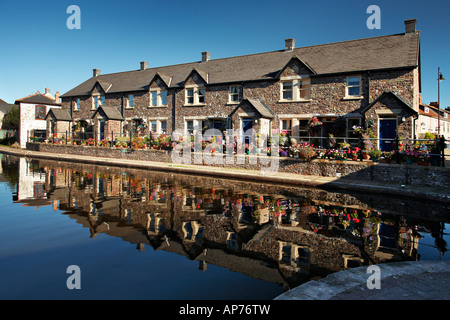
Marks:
<point>133,234</point>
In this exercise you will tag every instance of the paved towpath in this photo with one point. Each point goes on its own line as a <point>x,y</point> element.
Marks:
<point>412,280</point>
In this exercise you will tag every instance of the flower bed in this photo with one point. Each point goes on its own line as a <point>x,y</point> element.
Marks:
<point>420,154</point>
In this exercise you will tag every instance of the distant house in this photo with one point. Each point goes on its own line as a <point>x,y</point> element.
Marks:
<point>4,108</point>
<point>428,121</point>
<point>33,110</point>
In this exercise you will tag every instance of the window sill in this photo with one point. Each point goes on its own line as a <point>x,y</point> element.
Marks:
<point>195,105</point>
<point>347,98</point>
<point>129,108</point>
<point>233,103</point>
<point>295,101</point>
<point>76,110</point>
<point>154,107</point>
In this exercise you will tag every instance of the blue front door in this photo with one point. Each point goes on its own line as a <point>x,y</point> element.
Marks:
<point>247,124</point>
<point>388,132</point>
<point>102,130</point>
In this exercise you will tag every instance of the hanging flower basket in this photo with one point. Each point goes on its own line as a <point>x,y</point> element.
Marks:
<point>315,123</point>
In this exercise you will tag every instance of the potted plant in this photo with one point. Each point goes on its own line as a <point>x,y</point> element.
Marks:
<point>306,152</point>
<point>341,155</point>
<point>353,153</point>
<point>423,159</point>
<point>411,156</point>
<point>375,155</point>
<point>387,155</point>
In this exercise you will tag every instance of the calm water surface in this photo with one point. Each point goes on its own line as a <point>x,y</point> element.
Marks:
<point>153,235</point>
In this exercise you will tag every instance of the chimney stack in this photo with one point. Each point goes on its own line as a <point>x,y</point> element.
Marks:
<point>57,98</point>
<point>144,65</point>
<point>289,44</point>
<point>96,72</point>
<point>206,56</point>
<point>47,91</point>
<point>410,26</point>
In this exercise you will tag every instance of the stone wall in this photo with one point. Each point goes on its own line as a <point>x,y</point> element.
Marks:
<point>363,171</point>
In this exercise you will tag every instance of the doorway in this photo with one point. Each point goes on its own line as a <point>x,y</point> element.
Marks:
<point>387,133</point>
<point>101,129</point>
<point>247,124</point>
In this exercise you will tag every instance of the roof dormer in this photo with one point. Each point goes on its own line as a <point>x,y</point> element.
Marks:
<point>196,78</point>
<point>294,68</point>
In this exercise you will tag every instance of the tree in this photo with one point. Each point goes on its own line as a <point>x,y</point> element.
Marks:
<point>11,119</point>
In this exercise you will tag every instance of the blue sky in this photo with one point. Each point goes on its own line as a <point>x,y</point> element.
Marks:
<point>39,51</point>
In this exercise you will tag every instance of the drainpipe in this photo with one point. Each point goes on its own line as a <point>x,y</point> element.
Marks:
<point>368,95</point>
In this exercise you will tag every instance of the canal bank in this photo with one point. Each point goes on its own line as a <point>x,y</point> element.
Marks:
<point>411,280</point>
<point>347,183</point>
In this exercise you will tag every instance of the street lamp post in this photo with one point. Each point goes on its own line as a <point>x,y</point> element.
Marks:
<point>440,78</point>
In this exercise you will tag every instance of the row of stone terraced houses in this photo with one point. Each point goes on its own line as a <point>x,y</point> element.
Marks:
<point>370,82</point>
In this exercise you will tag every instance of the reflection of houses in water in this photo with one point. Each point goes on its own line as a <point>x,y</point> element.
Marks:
<point>267,236</point>
<point>31,184</point>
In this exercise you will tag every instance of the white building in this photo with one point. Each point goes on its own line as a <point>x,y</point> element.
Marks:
<point>32,112</point>
<point>428,121</point>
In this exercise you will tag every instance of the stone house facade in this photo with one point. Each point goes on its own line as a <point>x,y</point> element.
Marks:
<point>359,82</point>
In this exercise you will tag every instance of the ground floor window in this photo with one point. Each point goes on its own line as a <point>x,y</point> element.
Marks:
<point>352,124</point>
<point>39,135</point>
<point>286,125</point>
<point>158,126</point>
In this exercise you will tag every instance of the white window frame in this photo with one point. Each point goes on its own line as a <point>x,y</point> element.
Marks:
<point>288,121</point>
<point>77,104</point>
<point>186,127</point>
<point>232,94</point>
<point>158,121</point>
<point>128,105</point>
<point>96,101</point>
<point>159,98</point>
<point>197,123</point>
<point>299,84</point>
<point>347,87</point>
<point>196,96</point>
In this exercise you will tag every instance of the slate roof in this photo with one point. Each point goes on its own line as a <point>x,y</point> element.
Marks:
<point>385,52</point>
<point>260,106</point>
<point>112,113</point>
<point>430,113</point>
<point>59,114</point>
<point>394,94</point>
<point>37,98</point>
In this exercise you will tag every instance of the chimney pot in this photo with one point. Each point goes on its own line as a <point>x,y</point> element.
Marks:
<point>47,90</point>
<point>289,44</point>
<point>206,56</point>
<point>410,26</point>
<point>144,65</point>
<point>96,72</point>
